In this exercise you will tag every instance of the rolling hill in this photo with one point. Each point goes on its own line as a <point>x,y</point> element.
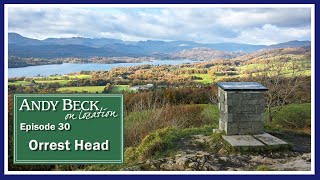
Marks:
<point>204,54</point>
<point>20,46</point>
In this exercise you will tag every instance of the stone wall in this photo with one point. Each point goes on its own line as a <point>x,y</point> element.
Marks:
<point>241,112</point>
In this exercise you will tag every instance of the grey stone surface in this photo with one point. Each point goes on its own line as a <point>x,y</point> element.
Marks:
<point>253,140</point>
<point>221,125</point>
<point>257,129</point>
<point>243,131</point>
<point>241,86</point>
<point>241,112</point>
<point>231,128</point>
<point>242,140</point>
<point>269,139</point>
<point>247,117</point>
<point>227,117</point>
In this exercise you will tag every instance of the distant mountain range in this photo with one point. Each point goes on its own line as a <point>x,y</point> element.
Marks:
<point>20,46</point>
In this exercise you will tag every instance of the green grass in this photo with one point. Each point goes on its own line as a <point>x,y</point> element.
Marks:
<point>52,79</point>
<point>206,78</point>
<point>138,124</point>
<point>18,83</point>
<point>302,64</point>
<point>293,116</point>
<point>252,66</point>
<point>159,142</point>
<point>60,81</point>
<point>120,88</point>
<point>90,89</point>
<point>78,76</point>
<point>263,168</point>
<point>306,72</point>
<point>208,111</point>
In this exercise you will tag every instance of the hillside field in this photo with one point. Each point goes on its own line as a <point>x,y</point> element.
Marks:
<point>90,89</point>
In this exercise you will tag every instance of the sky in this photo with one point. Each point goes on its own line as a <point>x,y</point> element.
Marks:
<point>263,26</point>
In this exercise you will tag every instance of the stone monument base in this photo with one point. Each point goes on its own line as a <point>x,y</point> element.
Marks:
<point>259,140</point>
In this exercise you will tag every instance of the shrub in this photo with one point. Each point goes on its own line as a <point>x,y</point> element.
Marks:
<point>211,115</point>
<point>160,141</point>
<point>263,168</point>
<point>293,116</point>
<point>139,124</point>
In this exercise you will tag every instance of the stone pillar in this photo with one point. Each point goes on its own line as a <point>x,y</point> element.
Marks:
<point>241,106</point>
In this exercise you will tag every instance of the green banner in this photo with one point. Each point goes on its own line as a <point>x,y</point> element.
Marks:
<point>68,128</point>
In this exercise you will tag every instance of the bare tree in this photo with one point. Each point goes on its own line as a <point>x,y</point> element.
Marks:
<point>282,77</point>
<point>213,95</point>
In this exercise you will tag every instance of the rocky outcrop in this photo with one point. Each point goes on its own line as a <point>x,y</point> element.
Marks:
<point>203,161</point>
<point>193,157</point>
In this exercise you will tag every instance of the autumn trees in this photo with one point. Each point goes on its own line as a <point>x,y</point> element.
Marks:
<point>283,78</point>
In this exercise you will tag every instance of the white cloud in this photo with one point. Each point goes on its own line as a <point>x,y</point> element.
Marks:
<point>282,17</point>
<point>210,25</point>
<point>270,34</point>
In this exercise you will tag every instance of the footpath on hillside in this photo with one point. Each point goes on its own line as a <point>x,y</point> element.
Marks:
<point>200,153</point>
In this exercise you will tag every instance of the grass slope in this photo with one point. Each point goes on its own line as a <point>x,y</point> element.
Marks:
<point>90,89</point>
<point>206,78</point>
<point>23,83</point>
<point>62,80</point>
<point>120,88</point>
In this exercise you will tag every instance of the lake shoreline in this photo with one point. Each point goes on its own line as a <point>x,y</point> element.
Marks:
<point>66,68</point>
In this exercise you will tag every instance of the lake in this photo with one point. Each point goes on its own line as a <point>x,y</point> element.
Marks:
<point>65,68</point>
